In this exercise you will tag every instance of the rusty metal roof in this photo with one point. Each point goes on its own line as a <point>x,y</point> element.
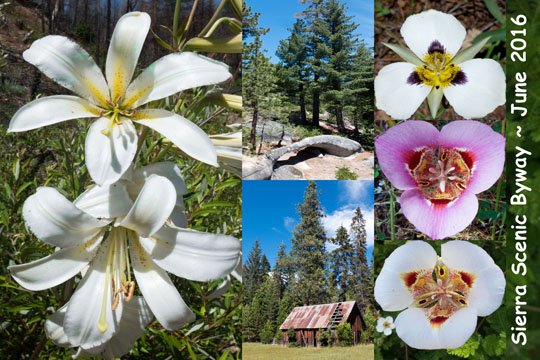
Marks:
<point>315,316</point>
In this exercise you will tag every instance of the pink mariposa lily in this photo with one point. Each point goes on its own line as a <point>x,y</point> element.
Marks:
<point>441,172</point>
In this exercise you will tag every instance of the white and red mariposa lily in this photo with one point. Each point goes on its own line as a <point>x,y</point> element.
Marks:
<point>115,234</point>
<point>111,141</point>
<point>441,313</point>
<point>441,172</point>
<point>435,67</point>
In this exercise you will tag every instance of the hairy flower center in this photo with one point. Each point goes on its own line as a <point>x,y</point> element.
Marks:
<point>441,174</point>
<point>437,70</point>
<point>115,274</point>
<point>386,325</point>
<point>115,113</point>
<point>440,293</point>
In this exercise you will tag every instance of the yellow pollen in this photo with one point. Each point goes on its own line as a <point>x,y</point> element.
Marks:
<point>437,71</point>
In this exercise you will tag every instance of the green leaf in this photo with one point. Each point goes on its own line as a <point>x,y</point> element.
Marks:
<point>494,35</point>
<point>494,10</point>
<point>161,42</point>
<point>405,54</point>
<point>469,53</point>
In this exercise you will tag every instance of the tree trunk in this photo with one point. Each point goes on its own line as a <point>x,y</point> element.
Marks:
<point>252,136</point>
<point>98,32</point>
<point>86,11</point>
<point>155,21</point>
<point>339,119</point>
<point>75,12</point>
<point>302,103</point>
<point>355,120</point>
<point>316,101</point>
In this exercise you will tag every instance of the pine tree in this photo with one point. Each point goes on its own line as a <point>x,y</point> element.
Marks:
<point>285,307</point>
<point>308,250</point>
<point>258,78</point>
<point>342,263</point>
<point>293,75</point>
<point>282,272</point>
<point>315,52</point>
<point>360,102</point>
<point>338,44</point>
<point>362,287</point>
<point>252,272</point>
<point>265,267</point>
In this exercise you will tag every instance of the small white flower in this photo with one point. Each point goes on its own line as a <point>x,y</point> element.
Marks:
<point>118,230</point>
<point>435,67</point>
<point>385,325</point>
<point>111,141</point>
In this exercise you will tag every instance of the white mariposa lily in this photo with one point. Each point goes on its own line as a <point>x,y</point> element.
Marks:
<point>435,67</point>
<point>111,141</point>
<point>113,235</point>
<point>441,313</point>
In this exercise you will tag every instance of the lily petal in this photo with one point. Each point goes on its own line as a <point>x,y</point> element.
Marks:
<point>486,279</point>
<point>54,327</point>
<point>152,207</point>
<point>396,94</point>
<point>191,254</point>
<point>167,169</point>
<point>56,268</point>
<point>70,66</point>
<point>108,201</point>
<point>187,136</point>
<point>397,148</point>
<point>136,316</point>
<point>420,31</point>
<point>441,220</point>
<point>413,327</point>
<point>174,73</point>
<point>109,156</point>
<point>484,151</point>
<point>56,221</point>
<point>400,271</point>
<point>482,92</point>
<point>126,44</point>
<point>159,292</point>
<point>85,306</point>
<point>51,110</point>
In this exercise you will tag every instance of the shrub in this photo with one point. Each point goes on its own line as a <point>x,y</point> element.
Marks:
<point>326,337</point>
<point>291,334</point>
<point>267,333</point>
<point>345,174</point>
<point>344,334</point>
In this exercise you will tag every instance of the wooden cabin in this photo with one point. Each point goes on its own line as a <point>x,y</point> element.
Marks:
<point>307,321</point>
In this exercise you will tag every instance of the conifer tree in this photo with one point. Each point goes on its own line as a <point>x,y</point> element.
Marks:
<point>315,52</point>
<point>360,103</point>
<point>362,287</point>
<point>258,77</point>
<point>282,271</point>
<point>252,272</point>
<point>342,264</point>
<point>308,250</point>
<point>338,44</point>
<point>293,55</point>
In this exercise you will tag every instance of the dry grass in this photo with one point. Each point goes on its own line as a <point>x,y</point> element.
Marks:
<point>256,351</point>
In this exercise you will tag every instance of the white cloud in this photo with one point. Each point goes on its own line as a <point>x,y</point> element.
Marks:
<point>288,223</point>
<point>353,190</point>
<point>343,216</point>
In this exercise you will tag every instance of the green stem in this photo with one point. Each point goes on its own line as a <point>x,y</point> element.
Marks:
<point>142,137</point>
<point>213,19</point>
<point>503,222</point>
<point>497,198</point>
<point>175,22</point>
<point>392,236</point>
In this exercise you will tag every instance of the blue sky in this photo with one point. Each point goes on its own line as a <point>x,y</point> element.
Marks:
<point>279,15</point>
<point>269,211</point>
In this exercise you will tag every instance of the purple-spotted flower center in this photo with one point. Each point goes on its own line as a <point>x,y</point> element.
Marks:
<point>438,70</point>
<point>440,293</point>
<point>441,174</point>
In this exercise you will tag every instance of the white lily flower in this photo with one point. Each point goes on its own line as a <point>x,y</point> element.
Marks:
<point>111,141</point>
<point>441,313</point>
<point>385,325</point>
<point>113,233</point>
<point>435,67</point>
